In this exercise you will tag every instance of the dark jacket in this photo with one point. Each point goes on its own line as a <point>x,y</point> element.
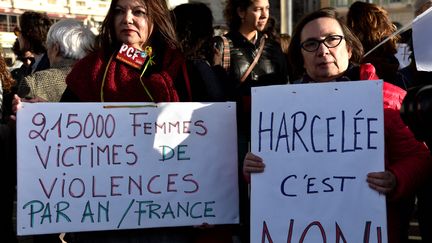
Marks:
<point>208,83</point>
<point>271,69</point>
<point>48,84</point>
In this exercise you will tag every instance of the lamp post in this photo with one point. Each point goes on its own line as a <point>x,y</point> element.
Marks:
<point>286,16</point>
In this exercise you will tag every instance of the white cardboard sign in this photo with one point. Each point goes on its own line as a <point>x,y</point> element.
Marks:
<point>318,142</point>
<point>100,166</point>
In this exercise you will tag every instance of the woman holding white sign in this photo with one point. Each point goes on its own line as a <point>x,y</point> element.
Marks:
<point>137,58</point>
<point>323,49</point>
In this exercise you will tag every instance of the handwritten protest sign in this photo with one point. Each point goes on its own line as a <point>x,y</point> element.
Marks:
<point>100,166</point>
<point>318,142</point>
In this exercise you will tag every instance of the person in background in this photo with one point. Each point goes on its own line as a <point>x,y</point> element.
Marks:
<point>421,79</point>
<point>372,24</point>
<point>25,58</point>
<point>285,40</point>
<point>327,51</point>
<point>31,36</point>
<point>8,155</point>
<point>254,60</point>
<point>67,42</point>
<point>421,5</point>
<point>16,62</point>
<point>194,30</point>
<point>30,49</point>
<point>403,50</point>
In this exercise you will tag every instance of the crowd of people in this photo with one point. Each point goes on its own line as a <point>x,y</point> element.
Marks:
<point>66,62</point>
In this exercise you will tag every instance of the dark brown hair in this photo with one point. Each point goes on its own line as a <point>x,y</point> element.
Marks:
<point>372,24</point>
<point>34,28</point>
<point>194,28</point>
<point>159,16</point>
<point>295,56</point>
<point>230,12</point>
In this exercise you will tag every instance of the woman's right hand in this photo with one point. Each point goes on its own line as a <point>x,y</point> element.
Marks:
<point>252,164</point>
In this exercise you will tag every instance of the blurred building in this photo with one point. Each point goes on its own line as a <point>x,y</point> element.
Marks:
<point>90,12</point>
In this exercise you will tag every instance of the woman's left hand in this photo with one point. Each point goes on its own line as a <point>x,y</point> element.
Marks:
<point>17,104</point>
<point>382,182</point>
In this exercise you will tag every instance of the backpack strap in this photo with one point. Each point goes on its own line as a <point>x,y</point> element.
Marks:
<point>226,53</point>
<point>255,61</point>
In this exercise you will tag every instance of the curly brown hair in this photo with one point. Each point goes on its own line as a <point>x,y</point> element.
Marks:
<point>372,24</point>
<point>5,76</point>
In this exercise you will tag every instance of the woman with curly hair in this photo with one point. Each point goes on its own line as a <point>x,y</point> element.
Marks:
<point>372,25</point>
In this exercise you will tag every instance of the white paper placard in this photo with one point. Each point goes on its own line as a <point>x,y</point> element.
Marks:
<point>101,166</point>
<point>318,142</point>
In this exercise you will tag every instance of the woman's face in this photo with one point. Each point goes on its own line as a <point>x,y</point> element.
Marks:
<point>255,16</point>
<point>132,25</point>
<point>324,64</point>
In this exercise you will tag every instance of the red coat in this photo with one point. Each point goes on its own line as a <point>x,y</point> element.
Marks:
<point>121,82</point>
<point>408,159</point>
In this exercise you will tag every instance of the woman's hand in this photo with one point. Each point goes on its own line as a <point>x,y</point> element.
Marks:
<point>252,164</point>
<point>382,182</point>
<point>217,57</point>
<point>17,103</point>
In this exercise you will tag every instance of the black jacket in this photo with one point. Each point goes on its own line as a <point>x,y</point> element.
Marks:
<point>270,69</point>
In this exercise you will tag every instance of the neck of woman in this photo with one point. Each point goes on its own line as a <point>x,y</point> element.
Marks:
<point>251,35</point>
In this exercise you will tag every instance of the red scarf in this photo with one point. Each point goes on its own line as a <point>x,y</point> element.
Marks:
<point>122,82</point>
